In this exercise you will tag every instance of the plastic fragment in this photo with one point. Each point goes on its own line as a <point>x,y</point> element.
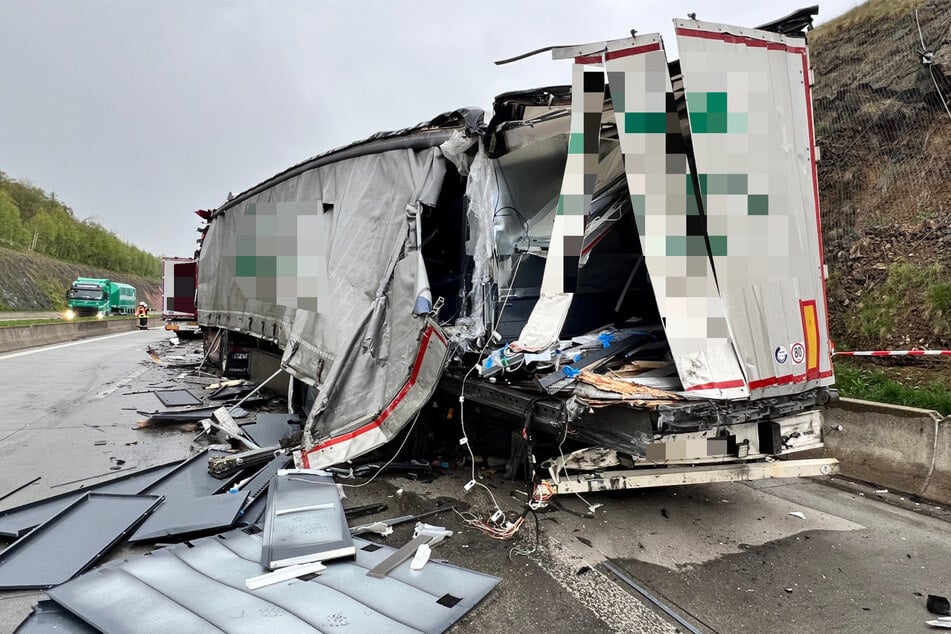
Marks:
<point>421,557</point>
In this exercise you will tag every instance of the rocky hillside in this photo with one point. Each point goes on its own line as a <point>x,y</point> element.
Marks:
<point>34,282</point>
<point>883,123</point>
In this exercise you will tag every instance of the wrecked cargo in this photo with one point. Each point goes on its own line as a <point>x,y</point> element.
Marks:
<point>631,263</point>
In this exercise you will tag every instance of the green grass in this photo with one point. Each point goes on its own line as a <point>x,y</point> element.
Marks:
<point>875,385</point>
<point>14,323</point>
<point>939,299</point>
<point>908,290</point>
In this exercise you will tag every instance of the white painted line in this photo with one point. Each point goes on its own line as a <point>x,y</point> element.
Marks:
<point>124,382</point>
<point>13,355</point>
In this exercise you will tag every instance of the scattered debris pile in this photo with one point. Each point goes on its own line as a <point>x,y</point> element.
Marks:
<point>287,559</point>
<point>247,542</point>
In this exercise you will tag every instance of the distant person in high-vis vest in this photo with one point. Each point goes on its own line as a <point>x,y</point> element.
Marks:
<point>142,312</point>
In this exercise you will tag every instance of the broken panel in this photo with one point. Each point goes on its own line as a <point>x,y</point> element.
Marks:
<point>750,119</point>
<point>49,617</point>
<point>177,398</point>
<point>560,277</point>
<point>200,587</point>
<point>16,521</point>
<point>73,540</point>
<point>178,517</point>
<point>190,478</point>
<point>670,226</point>
<point>268,430</point>
<point>304,521</point>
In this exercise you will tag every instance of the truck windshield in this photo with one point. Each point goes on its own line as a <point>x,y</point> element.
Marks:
<point>85,293</point>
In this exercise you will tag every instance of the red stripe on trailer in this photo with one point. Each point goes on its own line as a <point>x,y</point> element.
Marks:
<point>777,380</point>
<point>741,39</point>
<point>379,420</point>
<point>894,353</point>
<point>718,385</point>
<point>636,50</point>
<point>588,59</point>
<point>627,52</point>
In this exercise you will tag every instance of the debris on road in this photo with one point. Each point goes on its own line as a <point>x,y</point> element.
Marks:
<point>177,361</point>
<point>48,616</point>
<point>798,514</point>
<point>177,398</point>
<point>938,604</point>
<point>19,488</point>
<point>184,415</point>
<point>366,509</point>
<point>202,586</point>
<point>72,540</point>
<point>304,521</point>
<point>17,521</point>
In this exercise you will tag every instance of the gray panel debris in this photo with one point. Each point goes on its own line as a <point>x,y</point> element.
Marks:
<point>48,617</point>
<point>200,587</point>
<point>177,398</point>
<point>187,415</point>
<point>256,488</point>
<point>190,478</point>
<point>257,485</point>
<point>304,521</point>
<point>180,517</point>
<point>406,551</point>
<point>268,430</point>
<point>17,521</point>
<point>72,541</point>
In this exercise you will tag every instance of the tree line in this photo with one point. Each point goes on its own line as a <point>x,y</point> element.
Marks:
<point>32,219</point>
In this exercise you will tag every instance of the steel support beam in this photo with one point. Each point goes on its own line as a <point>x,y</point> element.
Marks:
<point>663,476</point>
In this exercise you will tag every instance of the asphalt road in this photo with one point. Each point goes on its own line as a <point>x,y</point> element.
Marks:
<point>728,557</point>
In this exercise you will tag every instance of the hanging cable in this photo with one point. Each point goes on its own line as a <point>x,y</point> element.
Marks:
<point>927,58</point>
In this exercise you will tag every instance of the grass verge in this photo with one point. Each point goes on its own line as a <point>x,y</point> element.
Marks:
<point>15,323</point>
<point>875,385</point>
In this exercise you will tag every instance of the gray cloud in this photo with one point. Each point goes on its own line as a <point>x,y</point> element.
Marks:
<point>137,113</point>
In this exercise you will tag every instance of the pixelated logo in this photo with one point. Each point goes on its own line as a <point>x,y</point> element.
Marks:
<point>780,354</point>
<point>280,254</point>
<point>798,352</point>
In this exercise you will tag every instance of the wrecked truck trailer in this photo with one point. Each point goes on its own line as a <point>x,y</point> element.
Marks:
<point>632,262</point>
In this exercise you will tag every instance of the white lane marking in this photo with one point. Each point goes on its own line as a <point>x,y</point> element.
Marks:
<point>123,383</point>
<point>13,355</point>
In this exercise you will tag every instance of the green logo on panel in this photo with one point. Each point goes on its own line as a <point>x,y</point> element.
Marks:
<point>708,114</point>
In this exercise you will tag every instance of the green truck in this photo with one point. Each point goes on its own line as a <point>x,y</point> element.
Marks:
<point>100,297</point>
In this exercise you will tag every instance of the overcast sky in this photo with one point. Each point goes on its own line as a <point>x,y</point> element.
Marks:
<point>137,113</point>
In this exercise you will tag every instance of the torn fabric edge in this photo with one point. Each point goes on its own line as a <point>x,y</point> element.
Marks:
<point>414,393</point>
<point>482,189</point>
<point>372,338</point>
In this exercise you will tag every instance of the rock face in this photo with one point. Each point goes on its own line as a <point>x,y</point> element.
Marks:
<point>33,282</point>
<point>884,132</point>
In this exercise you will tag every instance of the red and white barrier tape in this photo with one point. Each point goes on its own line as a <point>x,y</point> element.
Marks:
<point>894,353</point>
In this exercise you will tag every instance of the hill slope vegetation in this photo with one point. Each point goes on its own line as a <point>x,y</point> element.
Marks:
<point>883,124</point>
<point>34,282</point>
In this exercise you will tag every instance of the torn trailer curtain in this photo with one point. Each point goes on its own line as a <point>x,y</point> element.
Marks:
<point>324,261</point>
